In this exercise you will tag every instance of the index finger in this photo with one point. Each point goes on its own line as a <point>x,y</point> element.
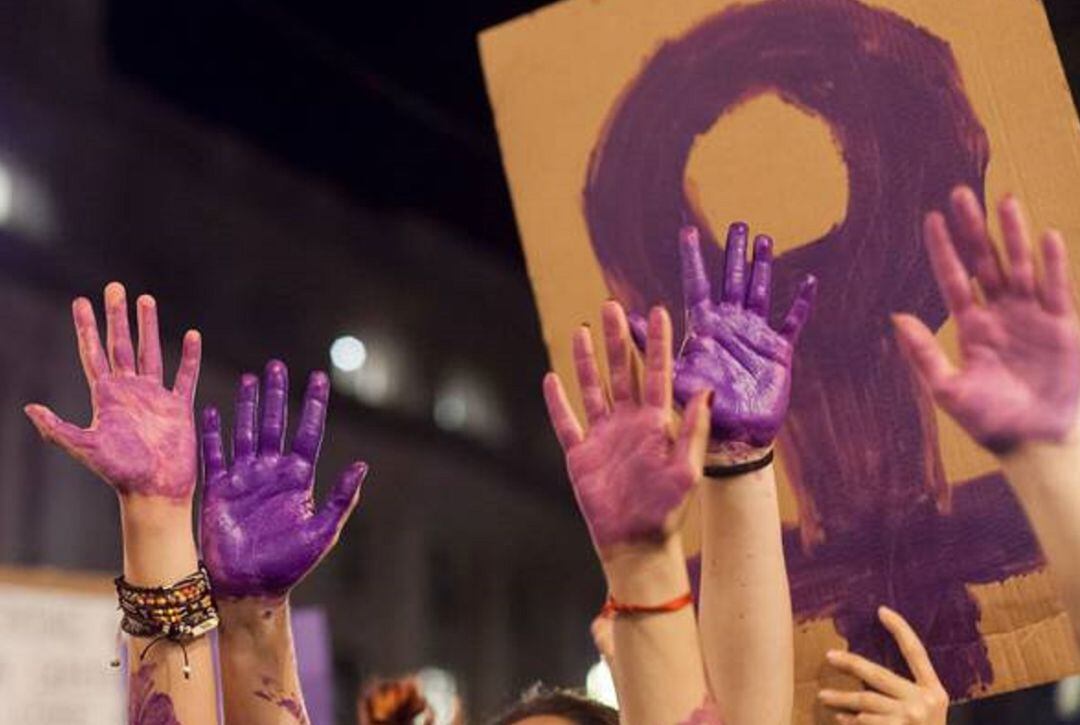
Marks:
<point>911,647</point>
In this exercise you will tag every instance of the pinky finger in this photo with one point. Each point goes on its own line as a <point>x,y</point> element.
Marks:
<point>187,375</point>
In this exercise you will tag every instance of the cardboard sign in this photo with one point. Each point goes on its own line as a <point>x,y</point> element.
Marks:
<point>833,125</point>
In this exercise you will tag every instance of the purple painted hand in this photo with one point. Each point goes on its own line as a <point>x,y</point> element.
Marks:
<point>729,347</point>
<point>141,439</point>
<point>630,475</point>
<point>1019,375</point>
<point>260,532</point>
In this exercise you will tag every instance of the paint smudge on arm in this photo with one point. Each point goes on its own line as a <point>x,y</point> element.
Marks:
<point>291,703</point>
<point>145,705</point>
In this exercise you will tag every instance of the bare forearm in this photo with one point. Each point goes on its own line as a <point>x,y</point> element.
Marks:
<point>658,667</point>
<point>259,674</point>
<point>159,550</point>
<point>745,603</point>
<point>1046,478</point>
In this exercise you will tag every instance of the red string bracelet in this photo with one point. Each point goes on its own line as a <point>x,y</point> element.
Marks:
<point>612,608</point>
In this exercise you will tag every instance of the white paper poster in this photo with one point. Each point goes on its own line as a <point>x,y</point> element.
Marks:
<point>55,648</point>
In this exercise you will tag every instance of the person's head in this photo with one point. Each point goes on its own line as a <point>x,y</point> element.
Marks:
<point>543,706</point>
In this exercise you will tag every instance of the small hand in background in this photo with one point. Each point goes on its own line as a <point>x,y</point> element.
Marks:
<point>1019,372</point>
<point>891,699</point>
<point>141,439</point>
<point>260,531</point>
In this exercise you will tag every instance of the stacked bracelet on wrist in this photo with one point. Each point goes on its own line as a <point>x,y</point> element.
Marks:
<point>179,612</point>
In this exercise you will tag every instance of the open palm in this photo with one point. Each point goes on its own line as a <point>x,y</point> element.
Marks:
<point>630,475</point>
<point>141,439</point>
<point>1019,372</point>
<point>729,347</point>
<point>260,531</point>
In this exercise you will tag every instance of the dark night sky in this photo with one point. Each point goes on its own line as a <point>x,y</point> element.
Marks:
<point>384,98</point>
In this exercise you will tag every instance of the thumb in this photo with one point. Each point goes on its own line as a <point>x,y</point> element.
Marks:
<point>54,429</point>
<point>694,433</point>
<point>922,350</point>
<point>340,505</point>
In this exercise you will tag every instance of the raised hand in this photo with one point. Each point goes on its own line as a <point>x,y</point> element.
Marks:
<point>729,347</point>
<point>1019,372</point>
<point>630,475</point>
<point>891,699</point>
<point>141,439</point>
<point>260,532</point>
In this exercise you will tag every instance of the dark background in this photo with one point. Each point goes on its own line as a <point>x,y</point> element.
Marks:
<point>281,173</point>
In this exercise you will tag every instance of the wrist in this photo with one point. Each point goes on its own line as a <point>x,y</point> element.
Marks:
<point>159,547</point>
<point>733,453</point>
<point>252,616</point>
<point>1037,462</point>
<point>648,576</point>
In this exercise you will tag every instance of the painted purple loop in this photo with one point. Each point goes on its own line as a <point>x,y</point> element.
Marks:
<point>858,441</point>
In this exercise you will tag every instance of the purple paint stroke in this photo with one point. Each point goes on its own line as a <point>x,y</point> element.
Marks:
<point>146,707</point>
<point>290,705</point>
<point>860,438</point>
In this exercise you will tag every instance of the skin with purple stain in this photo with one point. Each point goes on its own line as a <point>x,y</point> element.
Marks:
<point>877,514</point>
<point>261,535</point>
<point>1019,373</point>
<point>141,441</point>
<point>704,715</point>
<point>146,707</point>
<point>630,477</point>
<point>729,346</point>
<point>260,532</point>
<point>632,471</point>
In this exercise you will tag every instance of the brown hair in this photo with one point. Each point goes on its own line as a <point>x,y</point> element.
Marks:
<point>568,704</point>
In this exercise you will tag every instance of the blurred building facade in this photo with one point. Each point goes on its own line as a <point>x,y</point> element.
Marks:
<point>466,552</point>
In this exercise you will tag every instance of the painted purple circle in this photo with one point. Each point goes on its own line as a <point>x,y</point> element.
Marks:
<point>889,92</point>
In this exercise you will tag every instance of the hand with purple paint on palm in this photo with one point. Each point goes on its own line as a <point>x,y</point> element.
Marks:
<point>631,477</point>
<point>141,439</point>
<point>1019,375</point>
<point>729,347</point>
<point>260,532</point>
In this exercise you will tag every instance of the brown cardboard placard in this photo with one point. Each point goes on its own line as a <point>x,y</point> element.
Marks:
<point>834,125</point>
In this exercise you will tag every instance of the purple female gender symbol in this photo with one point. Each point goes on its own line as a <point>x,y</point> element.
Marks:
<point>879,523</point>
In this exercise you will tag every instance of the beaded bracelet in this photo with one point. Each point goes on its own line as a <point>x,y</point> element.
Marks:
<point>179,612</point>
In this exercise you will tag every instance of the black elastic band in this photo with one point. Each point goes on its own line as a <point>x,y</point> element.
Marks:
<point>739,468</point>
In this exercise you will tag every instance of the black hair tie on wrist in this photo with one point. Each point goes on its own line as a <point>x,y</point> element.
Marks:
<point>739,468</point>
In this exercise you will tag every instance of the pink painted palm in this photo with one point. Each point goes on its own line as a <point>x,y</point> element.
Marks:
<point>141,439</point>
<point>630,474</point>
<point>1019,372</point>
